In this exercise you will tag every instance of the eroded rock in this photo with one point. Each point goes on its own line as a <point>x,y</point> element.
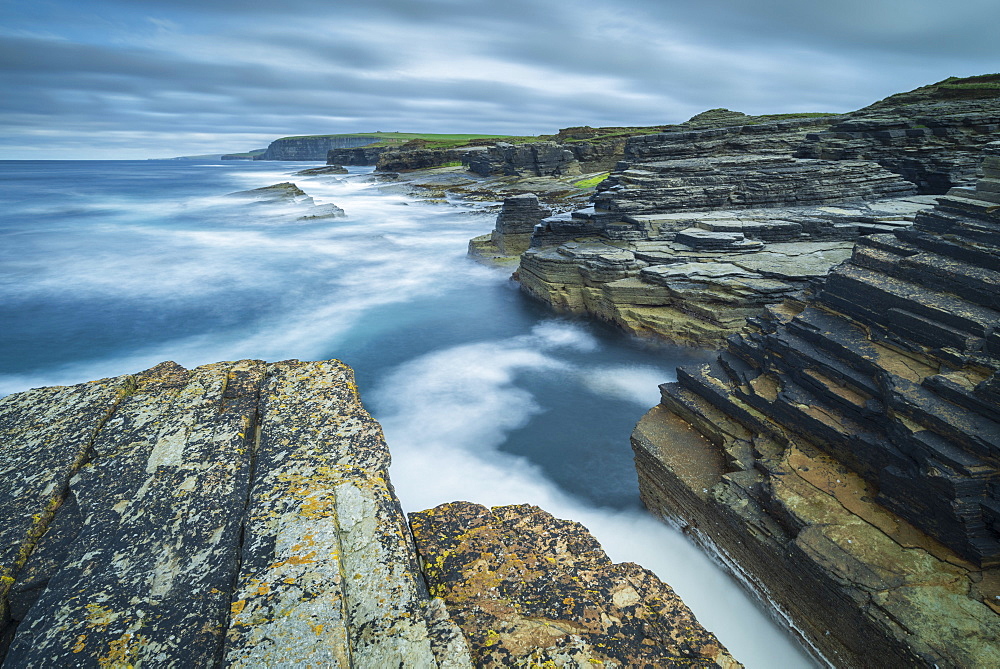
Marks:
<point>532,590</point>
<point>841,455</point>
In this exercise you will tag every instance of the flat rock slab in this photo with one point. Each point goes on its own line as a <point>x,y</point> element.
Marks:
<point>237,514</point>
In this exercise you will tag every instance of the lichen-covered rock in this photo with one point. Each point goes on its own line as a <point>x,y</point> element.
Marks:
<point>841,455</point>
<point>531,590</point>
<point>234,514</point>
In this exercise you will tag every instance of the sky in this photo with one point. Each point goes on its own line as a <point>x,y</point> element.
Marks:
<point>132,79</point>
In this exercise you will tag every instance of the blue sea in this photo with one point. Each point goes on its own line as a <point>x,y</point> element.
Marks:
<point>110,267</point>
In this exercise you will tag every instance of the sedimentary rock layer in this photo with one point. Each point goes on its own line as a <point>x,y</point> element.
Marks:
<point>842,454</point>
<point>693,278</point>
<point>532,590</point>
<point>515,224</point>
<point>932,136</point>
<point>310,148</point>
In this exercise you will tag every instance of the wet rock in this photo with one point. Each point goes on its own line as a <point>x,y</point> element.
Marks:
<point>693,278</point>
<point>515,224</point>
<point>530,589</point>
<point>316,171</point>
<point>287,194</point>
<point>840,455</point>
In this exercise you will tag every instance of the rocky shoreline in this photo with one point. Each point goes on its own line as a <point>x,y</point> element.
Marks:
<point>840,455</point>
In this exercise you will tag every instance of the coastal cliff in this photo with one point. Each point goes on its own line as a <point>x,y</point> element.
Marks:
<point>241,514</point>
<point>312,147</point>
<point>841,454</point>
<point>710,222</point>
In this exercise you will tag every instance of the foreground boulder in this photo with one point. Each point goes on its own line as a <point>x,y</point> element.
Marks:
<point>841,456</point>
<point>532,590</point>
<point>237,515</point>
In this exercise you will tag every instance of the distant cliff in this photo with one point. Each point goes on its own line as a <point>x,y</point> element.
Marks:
<point>312,148</point>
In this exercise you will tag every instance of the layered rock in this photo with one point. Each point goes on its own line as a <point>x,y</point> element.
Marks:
<point>693,278</point>
<point>931,136</point>
<point>403,160</point>
<point>841,455</point>
<point>314,147</point>
<point>514,226</point>
<point>684,199</point>
<point>237,514</point>
<point>364,155</point>
<point>287,195</point>
<point>319,171</point>
<point>534,158</point>
<point>532,590</point>
<point>240,514</point>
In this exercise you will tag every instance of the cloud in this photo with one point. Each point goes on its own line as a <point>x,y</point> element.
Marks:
<point>200,76</point>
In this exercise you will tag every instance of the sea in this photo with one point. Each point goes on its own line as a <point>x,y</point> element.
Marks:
<point>110,267</point>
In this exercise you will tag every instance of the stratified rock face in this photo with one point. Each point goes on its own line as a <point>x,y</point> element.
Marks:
<point>402,160</point>
<point>932,136</point>
<point>534,159</point>
<point>842,455</point>
<point>737,167</point>
<point>511,235</point>
<point>693,278</point>
<point>310,148</point>
<point>237,514</point>
<point>319,171</point>
<point>698,229</point>
<point>531,590</point>
<point>358,156</point>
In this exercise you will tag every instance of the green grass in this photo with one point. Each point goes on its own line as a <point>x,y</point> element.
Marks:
<point>592,181</point>
<point>451,163</point>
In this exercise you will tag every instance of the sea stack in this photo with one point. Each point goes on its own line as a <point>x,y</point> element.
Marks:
<point>842,455</point>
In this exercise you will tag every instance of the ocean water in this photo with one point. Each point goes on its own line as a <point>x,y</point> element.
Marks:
<point>110,267</point>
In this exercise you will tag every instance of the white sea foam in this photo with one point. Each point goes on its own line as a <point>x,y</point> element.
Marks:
<point>446,413</point>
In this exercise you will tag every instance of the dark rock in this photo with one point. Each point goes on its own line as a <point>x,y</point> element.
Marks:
<point>848,448</point>
<point>363,155</point>
<point>316,171</point>
<point>402,160</point>
<point>515,223</point>
<point>932,136</point>
<point>288,193</point>
<point>312,147</point>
